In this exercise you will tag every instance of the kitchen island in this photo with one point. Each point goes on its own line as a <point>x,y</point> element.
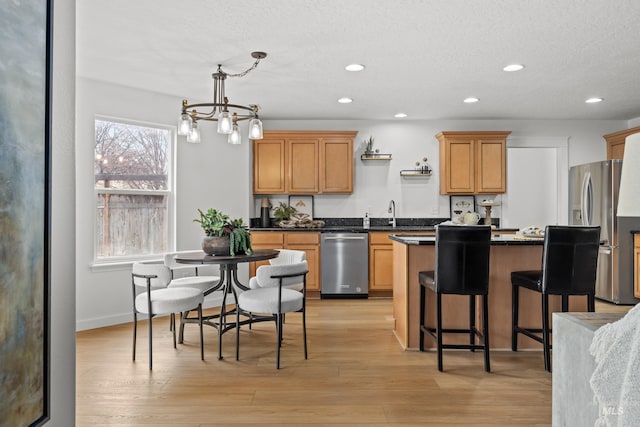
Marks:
<point>412,254</point>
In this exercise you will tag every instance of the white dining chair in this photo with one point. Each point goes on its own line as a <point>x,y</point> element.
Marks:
<point>152,296</point>
<point>273,297</point>
<point>202,277</point>
<point>285,256</point>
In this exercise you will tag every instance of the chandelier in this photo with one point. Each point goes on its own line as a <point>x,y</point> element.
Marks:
<point>220,110</point>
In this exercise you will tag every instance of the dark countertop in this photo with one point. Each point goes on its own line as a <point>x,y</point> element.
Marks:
<point>498,240</point>
<point>354,225</point>
<point>349,229</point>
<point>360,229</point>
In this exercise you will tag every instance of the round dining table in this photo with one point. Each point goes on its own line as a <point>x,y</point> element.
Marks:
<point>228,278</point>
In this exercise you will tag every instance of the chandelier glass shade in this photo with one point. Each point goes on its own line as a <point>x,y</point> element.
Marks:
<point>220,110</point>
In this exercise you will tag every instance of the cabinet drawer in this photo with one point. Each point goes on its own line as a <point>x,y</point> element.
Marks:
<point>302,238</point>
<point>380,238</point>
<point>267,238</point>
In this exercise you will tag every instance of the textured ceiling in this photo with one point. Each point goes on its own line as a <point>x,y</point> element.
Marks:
<point>422,57</point>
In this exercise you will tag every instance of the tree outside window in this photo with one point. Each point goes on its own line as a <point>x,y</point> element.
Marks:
<point>133,190</point>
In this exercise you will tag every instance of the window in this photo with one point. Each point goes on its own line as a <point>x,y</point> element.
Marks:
<point>134,201</point>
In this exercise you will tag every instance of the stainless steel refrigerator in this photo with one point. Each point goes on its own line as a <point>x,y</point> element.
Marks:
<point>593,200</point>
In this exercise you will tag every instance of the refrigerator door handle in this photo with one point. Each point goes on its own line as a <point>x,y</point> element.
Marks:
<point>587,200</point>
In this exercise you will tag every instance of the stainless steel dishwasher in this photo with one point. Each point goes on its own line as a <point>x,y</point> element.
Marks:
<point>344,259</point>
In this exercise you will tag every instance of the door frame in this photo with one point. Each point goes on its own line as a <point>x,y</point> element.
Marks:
<point>561,146</point>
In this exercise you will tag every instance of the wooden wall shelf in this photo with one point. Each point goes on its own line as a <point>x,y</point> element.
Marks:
<point>375,156</point>
<point>411,172</point>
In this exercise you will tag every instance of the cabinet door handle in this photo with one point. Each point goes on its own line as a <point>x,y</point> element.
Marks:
<point>344,238</point>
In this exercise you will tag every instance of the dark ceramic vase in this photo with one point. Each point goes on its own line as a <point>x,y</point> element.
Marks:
<point>216,245</point>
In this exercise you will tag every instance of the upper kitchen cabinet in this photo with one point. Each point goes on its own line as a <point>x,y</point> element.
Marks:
<point>615,142</point>
<point>473,162</point>
<point>336,163</point>
<point>303,162</point>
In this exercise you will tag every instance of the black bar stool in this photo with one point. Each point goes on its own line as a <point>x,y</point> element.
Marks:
<point>569,262</point>
<point>461,268</point>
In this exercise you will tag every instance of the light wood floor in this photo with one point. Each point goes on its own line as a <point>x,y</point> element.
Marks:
<point>356,374</point>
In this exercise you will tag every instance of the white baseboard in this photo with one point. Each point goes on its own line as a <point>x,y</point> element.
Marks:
<point>116,319</point>
<point>101,322</point>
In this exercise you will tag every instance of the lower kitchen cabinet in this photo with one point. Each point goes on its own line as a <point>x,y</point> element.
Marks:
<point>381,261</point>
<point>295,240</point>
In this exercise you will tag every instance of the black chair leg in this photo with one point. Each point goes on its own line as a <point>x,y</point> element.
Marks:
<point>565,303</point>
<point>472,321</point>
<point>201,333</point>
<point>591,303</point>
<point>514,317</point>
<point>304,331</point>
<point>423,324</point>
<point>150,342</point>
<point>545,333</point>
<point>439,328</point>
<point>181,335</point>
<point>172,320</point>
<point>279,326</point>
<point>237,334</point>
<point>135,332</point>
<point>485,331</point>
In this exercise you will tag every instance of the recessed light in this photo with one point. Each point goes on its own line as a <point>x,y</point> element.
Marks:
<point>593,100</point>
<point>513,67</point>
<point>345,100</point>
<point>400,115</point>
<point>471,100</point>
<point>354,67</point>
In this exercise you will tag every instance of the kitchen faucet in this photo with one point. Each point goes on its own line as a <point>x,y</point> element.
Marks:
<point>392,211</point>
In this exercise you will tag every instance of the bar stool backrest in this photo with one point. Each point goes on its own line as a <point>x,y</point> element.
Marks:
<point>462,259</point>
<point>570,259</point>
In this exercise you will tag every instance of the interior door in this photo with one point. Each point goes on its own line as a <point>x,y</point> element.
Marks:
<point>532,196</point>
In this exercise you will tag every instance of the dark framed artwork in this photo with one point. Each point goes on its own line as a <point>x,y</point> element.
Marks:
<point>460,205</point>
<point>303,204</point>
<point>25,193</point>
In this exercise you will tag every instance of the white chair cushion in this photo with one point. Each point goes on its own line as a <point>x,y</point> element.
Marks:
<point>200,282</point>
<point>170,300</point>
<point>264,273</point>
<point>214,299</point>
<point>151,269</point>
<point>253,284</point>
<point>288,256</point>
<point>265,300</point>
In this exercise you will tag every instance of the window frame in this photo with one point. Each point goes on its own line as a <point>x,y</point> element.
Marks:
<point>170,192</point>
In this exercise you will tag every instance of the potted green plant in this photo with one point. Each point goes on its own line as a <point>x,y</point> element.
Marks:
<point>223,236</point>
<point>283,212</point>
<point>368,147</point>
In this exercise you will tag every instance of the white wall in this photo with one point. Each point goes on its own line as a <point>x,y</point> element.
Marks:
<point>375,183</point>
<point>63,251</point>
<point>211,174</point>
<point>216,174</point>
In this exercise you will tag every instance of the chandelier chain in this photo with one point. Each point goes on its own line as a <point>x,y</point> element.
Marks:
<point>245,72</point>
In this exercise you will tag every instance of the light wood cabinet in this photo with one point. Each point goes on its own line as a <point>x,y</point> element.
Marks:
<point>336,163</point>
<point>615,142</point>
<point>473,162</point>
<point>381,261</point>
<point>636,265</point>
<point>296,240</point>
<point>303,162</point>
<point>302,165</point>
<point>269,166</point>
